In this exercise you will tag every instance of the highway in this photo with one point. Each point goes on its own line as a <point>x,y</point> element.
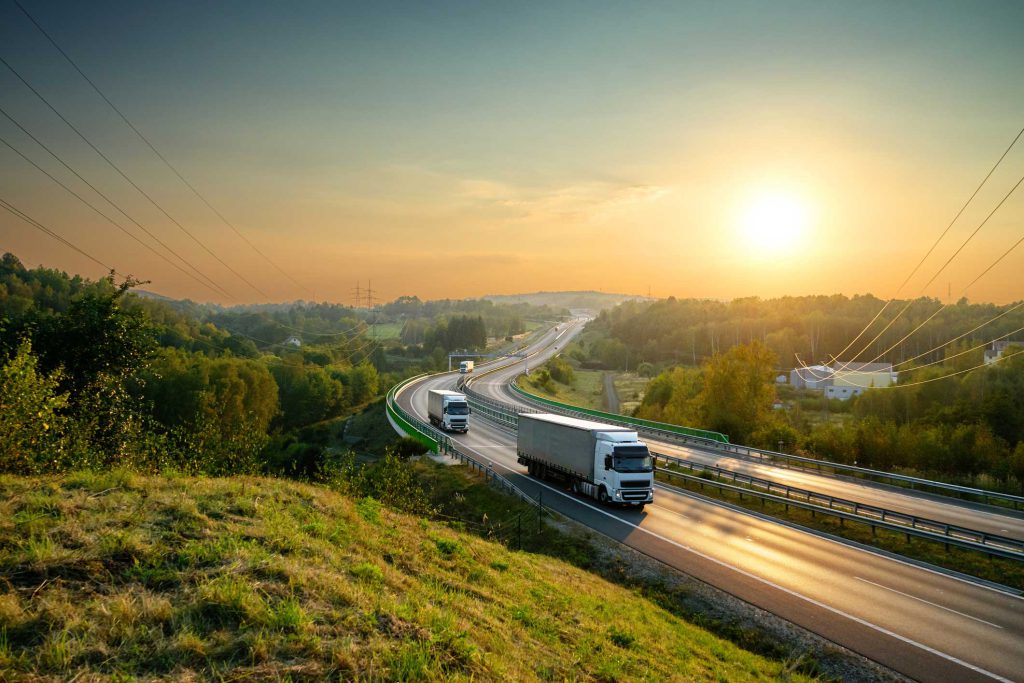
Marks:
<point>947,510</point>
<point>922,623</point>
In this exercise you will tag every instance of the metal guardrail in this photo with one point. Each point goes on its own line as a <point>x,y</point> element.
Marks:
<point>797,461</point>
<point>868,512</point>
<point>877,517</point>
<point>846,516</point>
<point>442,444</point>
<point>613,418</point>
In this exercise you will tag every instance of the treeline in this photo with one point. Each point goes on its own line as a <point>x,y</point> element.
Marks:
<point>458,332</point>
<point>498,319</point>
<point>961,427</point>
<point>93,376</point>
<point>811,328</point>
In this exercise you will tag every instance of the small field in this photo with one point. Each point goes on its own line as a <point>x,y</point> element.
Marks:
<point>630,388</point>
<point>587,391</point>
<point>384,331</point>
<point>119,577</point>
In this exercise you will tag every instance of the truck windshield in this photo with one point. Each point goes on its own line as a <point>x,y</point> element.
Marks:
<point>458,409</point>
<point>633,459</point>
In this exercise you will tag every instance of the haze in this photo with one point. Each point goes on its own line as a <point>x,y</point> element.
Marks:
<point>460,149</point>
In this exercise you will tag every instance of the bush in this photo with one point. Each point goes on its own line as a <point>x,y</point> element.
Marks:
<point>32,428</point>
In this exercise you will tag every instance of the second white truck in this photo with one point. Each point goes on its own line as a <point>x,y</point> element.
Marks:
<point>448,410</point>
<point>600,460</point>
<point>466,366</point>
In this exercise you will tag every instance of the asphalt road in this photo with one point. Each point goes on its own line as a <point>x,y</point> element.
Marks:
<point>923,623</point>
<point>985,518</point>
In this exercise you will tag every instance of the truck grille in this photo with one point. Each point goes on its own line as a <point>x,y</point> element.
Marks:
<point>637,484</point>
<point>634,495</point>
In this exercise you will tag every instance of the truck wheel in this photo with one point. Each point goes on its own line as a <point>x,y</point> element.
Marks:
<point>602,495</point>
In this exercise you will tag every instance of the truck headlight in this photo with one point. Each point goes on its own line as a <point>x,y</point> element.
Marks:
<point>618,495</point>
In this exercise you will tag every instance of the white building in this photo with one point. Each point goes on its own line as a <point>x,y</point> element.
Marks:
<point>995,352</point>
<point>293,341</point>
<point>852,378</point>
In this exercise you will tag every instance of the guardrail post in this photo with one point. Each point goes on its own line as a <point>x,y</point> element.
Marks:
<point>540,508</point>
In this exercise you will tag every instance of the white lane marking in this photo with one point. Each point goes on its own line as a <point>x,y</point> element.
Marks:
<point>671,512</point>
<point>788,591</point>
<point>914,597</point>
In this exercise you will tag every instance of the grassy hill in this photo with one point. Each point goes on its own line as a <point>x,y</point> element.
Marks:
<point>115,576</point>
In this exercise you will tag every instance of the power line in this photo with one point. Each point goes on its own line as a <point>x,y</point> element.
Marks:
<point>105,216</point>
<point>42,228</point>
<point>929,253</point>
<point>955,339</point>
<point>157,152</point>
<point>129,180</point>
<point>113,204</point>
<point>951,374</point>
<point>948,261</point>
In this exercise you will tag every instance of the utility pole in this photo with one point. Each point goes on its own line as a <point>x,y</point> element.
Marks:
<point>357,293</point>
<point>369,307</point>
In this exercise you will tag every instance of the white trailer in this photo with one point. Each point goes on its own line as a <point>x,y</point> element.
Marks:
<point>448,410</point>
<point>600,460</point>
<point>466,366</point>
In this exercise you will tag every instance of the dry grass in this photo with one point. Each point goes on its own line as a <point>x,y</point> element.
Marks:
<point>113,576</point>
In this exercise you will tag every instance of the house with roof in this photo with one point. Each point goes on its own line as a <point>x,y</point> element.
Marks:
<point>811,377</point>
<point>852,378</point>
<point>293,341</point>
<point>997,348</point>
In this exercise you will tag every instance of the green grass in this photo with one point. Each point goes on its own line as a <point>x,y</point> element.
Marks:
<point>630,388</point>
<point>587,391</point>
<point>1007,572</point>
<point>116,577</point>
<point>384,331</point>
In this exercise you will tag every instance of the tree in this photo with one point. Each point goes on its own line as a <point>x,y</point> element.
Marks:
<point>738,391</point>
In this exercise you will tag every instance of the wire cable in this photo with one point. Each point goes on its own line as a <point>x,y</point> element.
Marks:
<point>155,151</point>
<point>42,228</point>
<point>932,249</point>
<point>948,261</point>
<point>105,216</point>
<point>114,204</point>
<point>129,180</point>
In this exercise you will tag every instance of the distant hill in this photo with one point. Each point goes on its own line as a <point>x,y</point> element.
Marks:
<point>572,300</point>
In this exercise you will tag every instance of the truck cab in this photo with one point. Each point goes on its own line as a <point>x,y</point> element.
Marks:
<point>448,410</point>
<point>625,468</point>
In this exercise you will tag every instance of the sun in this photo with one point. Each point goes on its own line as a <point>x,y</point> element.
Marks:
<point>774,222</point>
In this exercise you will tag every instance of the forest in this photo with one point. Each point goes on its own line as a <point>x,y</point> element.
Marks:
<point>807,329</point>
<point>95,374</point>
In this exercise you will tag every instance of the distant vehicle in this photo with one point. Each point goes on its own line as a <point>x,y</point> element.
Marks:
<point>466,366</point>
<point>600,460</point>
<point>448,410</point>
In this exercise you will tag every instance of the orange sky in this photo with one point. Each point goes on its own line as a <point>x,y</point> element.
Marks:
<point>488,151</point>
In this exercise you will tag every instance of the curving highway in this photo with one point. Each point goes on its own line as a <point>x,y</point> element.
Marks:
<point>922,623</point>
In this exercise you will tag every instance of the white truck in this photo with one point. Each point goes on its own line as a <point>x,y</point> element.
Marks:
<point>448,410</point>
<point>466,366</point>
<point>599,460</point>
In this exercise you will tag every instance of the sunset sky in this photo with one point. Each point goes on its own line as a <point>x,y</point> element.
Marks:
<point>697,149</point>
